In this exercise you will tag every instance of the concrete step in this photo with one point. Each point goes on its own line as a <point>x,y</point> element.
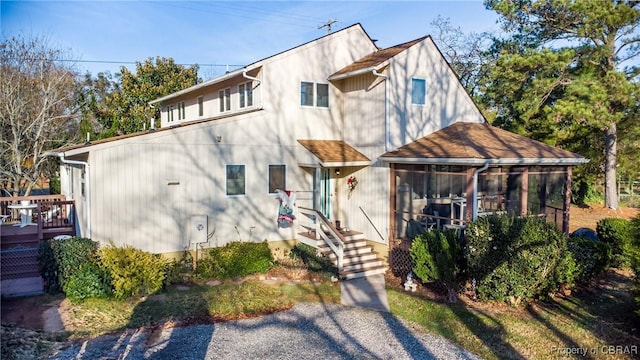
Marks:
<point>354,274</point>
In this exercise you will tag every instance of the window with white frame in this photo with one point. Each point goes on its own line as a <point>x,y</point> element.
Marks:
<point>200,106</point>
<point>246,95</point>
<point>225,99</point>
<point>236,180</point>
<point>277,178</point>
<point>314,94</point>
<point>170,113</point>
<point>418,91</point>
<point>181,111</point>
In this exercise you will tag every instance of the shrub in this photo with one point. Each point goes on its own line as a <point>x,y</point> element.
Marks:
<point>180,271</point>
<point>90,281</point>
<point>313,261</point>
<point>516,258</point>
<point>235,259</point>
<point>591,257</point>
<point>133,272</point>
<point>435,255</point>
<point>618,234</point>
<point>48,267</point>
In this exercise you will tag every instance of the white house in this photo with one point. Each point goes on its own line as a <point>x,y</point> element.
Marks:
<point>307,120</point>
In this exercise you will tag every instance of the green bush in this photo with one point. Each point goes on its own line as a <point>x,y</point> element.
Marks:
<point>235,259</point>
<point>48,267</point>
<point>591,257</point>
<point>313,261</point>
<point>517,258</point>
<point>90,281</point>
<point>133,272</point>
<point>180,271</point>
<point>618,234</point>
<point>435,258</point>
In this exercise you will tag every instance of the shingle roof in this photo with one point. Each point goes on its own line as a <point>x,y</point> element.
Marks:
<point>377,58</point>
<point>334,151</point>
<point>481,141</point>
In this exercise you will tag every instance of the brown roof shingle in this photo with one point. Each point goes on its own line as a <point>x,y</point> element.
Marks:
<point>333,151</point>
<point>376,58</point>
<point>479,141</point>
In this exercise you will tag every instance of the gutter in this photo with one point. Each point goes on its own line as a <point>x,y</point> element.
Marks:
<point>87,183</point>
<point>480,162</point>
<point>352,73</point>
<point>387,135</point>
<point>244,75</point>
<point>475,189</point>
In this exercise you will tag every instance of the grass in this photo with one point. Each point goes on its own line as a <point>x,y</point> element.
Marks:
<point>594,318</point>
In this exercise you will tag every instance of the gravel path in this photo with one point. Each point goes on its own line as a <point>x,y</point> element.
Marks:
<point>308,331</point>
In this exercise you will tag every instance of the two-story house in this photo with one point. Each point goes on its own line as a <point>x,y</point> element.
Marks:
<point>367,141</point>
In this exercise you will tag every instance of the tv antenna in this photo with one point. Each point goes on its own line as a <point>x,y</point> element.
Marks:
<point>328,25</point>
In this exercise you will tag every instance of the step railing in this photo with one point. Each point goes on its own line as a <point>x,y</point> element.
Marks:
<point>323,229</point>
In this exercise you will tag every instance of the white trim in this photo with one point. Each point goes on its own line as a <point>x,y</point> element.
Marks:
<point>198,86</point>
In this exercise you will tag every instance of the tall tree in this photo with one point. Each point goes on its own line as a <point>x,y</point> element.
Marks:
<point>566,68</point>
<point>37,105</point>
<point>153,79</point>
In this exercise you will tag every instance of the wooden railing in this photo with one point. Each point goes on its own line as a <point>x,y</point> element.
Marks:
<point>323,228</point>
<point>14,215</point>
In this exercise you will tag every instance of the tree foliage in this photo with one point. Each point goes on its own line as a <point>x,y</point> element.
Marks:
<point>563,77</point>
<point>37,106</point>
<point>126,108</point>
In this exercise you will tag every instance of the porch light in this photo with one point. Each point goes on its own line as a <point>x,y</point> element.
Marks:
<point>218,138</point>
<point>337,171</point>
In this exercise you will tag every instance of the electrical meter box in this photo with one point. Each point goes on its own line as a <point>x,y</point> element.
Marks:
<point>199,229</point>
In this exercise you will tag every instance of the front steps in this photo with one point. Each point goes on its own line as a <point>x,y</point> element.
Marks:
<point>359,260</point>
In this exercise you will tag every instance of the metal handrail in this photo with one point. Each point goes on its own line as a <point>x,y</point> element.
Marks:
<point>372,224</point>
<point>318,220</point>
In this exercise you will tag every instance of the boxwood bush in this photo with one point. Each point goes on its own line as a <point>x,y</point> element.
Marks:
<point>133,272</point>
<point>517,258</point>
<point>235,259</point>
<point>435,257</point>
<point>618,233</point>
<point>314,262</point>
<point>591,257</point>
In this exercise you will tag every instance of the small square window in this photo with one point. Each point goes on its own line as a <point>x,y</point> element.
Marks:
<point>418,91</point>
<point>235,180</point>
<point>277,178</point>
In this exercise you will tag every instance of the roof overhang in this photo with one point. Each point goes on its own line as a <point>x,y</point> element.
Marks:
<point>331,153</point>
<point>480,162</point>
<point>354,73</point>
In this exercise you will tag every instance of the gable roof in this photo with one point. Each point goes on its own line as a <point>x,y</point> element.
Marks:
<point>331,153</point>
<point>373,61</point>
<point>477,144</point>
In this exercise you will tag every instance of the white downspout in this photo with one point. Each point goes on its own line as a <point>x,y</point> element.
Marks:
<point>475,189</point>
<point>86,181</point>
<point>387,136</point>
<point>244,74</point>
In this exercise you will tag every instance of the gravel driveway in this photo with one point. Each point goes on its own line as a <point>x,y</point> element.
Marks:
<point>308,331</point>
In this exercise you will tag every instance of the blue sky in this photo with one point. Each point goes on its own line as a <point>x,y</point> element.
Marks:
<point>220,32</point>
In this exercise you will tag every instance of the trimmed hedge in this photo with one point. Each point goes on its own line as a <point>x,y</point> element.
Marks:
<point>618,233</point>
<point>235,259</point>
<point>591,257</point>
<point>133,272</point>
<point>435,256</point>
<point>313,261</point>
<point>517,258</point>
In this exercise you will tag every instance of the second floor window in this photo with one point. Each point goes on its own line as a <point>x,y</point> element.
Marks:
<point>246,95</point>
<point>225,100</point>
<point>170,113</point>
<point>181,111</point>
<point>200,106</point>
<point>418,91</point>
<point>314,94</point>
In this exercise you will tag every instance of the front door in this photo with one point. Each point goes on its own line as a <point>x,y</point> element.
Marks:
<point>322,191</point>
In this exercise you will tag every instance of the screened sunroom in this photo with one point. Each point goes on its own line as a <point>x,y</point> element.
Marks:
<point>479,171</point>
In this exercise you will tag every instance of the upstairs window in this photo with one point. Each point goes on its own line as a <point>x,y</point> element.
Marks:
<point>200,106</point>
<point>170,113</point>
<point>246,95</point>
<point>225,100</point>
<point>314,94</point>
<point>418,91</point>
<point>181,111</point>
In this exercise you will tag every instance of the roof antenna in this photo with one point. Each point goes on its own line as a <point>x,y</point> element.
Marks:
<point>328,25</point>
